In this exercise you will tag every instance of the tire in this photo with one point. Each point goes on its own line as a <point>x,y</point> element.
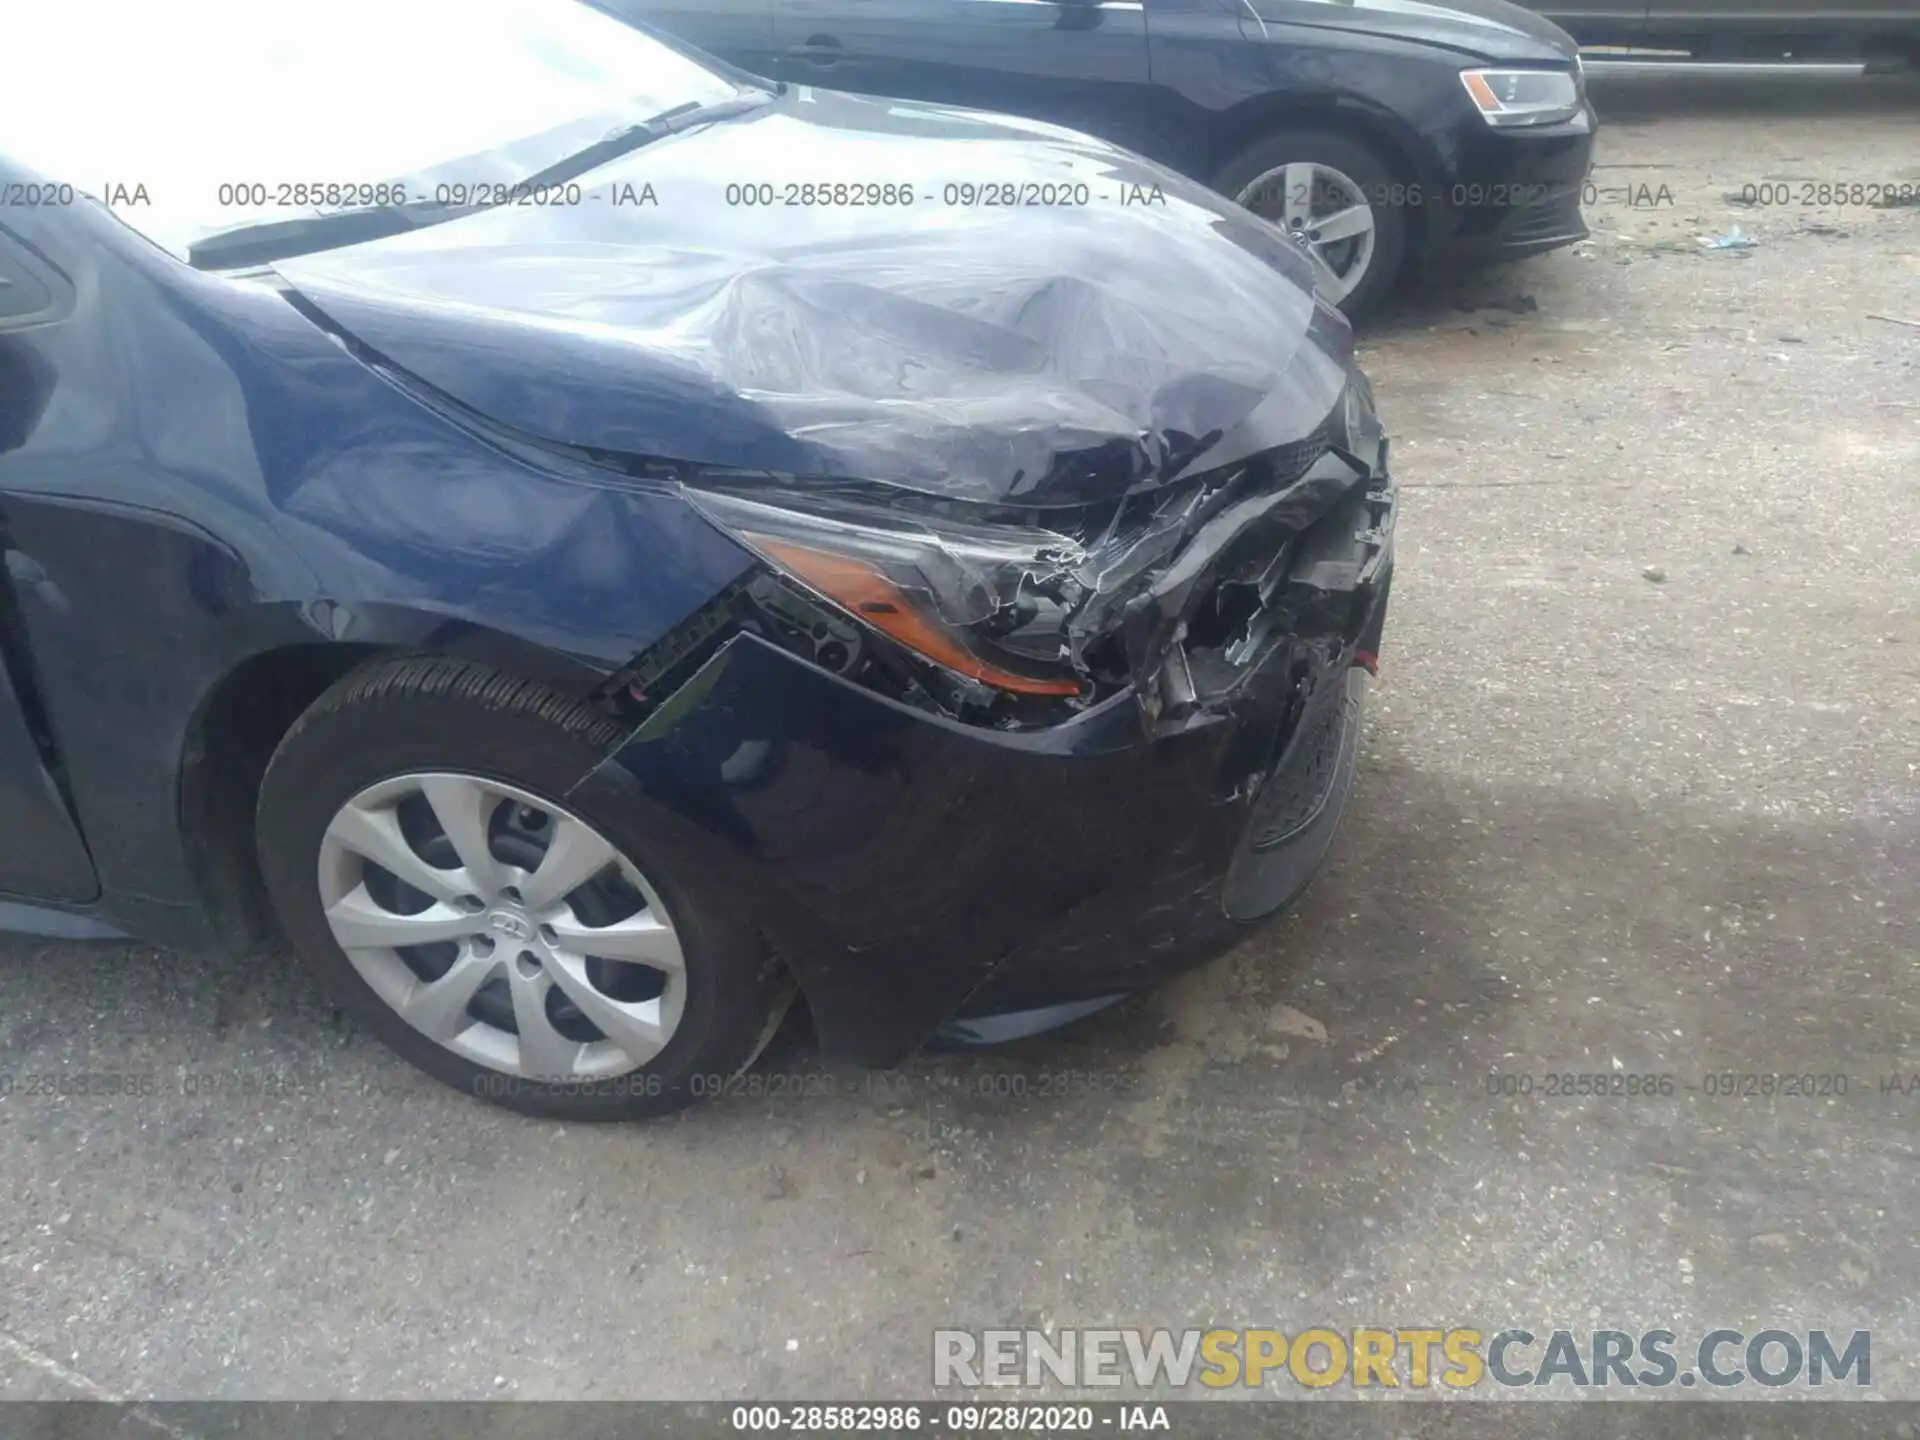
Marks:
<point>397,726</point>
<point>1251,178</point>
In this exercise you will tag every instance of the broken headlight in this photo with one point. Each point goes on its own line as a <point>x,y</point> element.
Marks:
<point>986,603</point>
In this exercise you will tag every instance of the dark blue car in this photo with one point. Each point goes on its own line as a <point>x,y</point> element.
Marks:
<point>470,512</point>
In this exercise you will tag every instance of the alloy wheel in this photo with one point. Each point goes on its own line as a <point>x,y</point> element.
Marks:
<point>1327,212</point>
<point>503,927</point>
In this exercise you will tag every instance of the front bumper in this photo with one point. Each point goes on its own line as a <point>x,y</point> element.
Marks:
<point>1513,192</point>
<point>910,869</point>
<point>1224,878</point>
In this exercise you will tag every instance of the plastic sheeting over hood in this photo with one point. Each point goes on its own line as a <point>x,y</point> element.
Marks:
<point>1048,320</point>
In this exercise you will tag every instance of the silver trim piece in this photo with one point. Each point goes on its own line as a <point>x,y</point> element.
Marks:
<point>1748,68</point>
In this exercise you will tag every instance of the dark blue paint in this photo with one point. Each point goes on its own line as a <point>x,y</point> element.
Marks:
<point>839,340</point>
<point>400,447</point>
<point>197,474</point>
<point>899,856</point>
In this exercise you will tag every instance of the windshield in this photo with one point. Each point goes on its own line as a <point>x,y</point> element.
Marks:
<point>196,119</point>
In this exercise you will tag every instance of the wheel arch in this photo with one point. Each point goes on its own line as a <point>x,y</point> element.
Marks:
<point>229,740</point>
<point>1253,119</point>
<point>244,713</point>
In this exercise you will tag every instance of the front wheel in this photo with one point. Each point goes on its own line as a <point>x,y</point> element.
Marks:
<point>435,855</point>
<point>1337,198</point>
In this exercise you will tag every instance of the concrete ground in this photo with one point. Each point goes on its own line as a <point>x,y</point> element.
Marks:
<point>1639,796</point>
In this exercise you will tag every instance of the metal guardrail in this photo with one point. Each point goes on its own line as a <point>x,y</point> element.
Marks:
<point>1604,65</point>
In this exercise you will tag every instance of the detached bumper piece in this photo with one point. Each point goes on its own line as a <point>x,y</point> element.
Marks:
<point>1348,560</point>
<point>1298,810</point>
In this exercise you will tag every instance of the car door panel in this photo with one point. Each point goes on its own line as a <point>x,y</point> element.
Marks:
<point>738,31</point>
<point>1810,15</point>
<point>1595,21</point>
<point>41,853</point>
<point>1785,30</point>
<point>1078,64</point>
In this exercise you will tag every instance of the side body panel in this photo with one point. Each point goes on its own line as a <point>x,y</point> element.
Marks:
<point>41,852</point>
<point>898,857</point>
<point>1597,22</point>
<point>1743,29</point>
<point>1237,77</point>
<point>1806,16</point>
<point>739,31</point>
<point>200,474</point>
<point>1082,65</point>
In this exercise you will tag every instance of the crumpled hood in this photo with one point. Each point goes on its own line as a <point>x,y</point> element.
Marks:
<point>1487,29</point>
<point>1117,326</point>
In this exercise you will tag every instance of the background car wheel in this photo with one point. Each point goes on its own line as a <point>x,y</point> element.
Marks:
<point>1338,197</point>
<point>434,857</point>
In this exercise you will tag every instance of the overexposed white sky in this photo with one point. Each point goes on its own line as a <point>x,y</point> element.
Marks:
<point>184,97</point>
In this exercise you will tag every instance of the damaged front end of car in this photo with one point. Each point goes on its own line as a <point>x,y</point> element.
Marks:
<point>1015,618</point>
<point>984,764</point>
<point>1137,726</point>
<point>1033,669</point>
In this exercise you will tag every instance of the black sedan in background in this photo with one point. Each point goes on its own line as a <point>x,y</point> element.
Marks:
<point>1385,134</point>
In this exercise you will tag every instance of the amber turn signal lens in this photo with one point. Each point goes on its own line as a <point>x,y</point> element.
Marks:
<point>858,587</point>
<point>1482,92</point>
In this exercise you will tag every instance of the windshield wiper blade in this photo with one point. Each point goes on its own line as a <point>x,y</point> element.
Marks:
<point>261,244</point>
<point>629,138</point>
<point>272,240</point>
